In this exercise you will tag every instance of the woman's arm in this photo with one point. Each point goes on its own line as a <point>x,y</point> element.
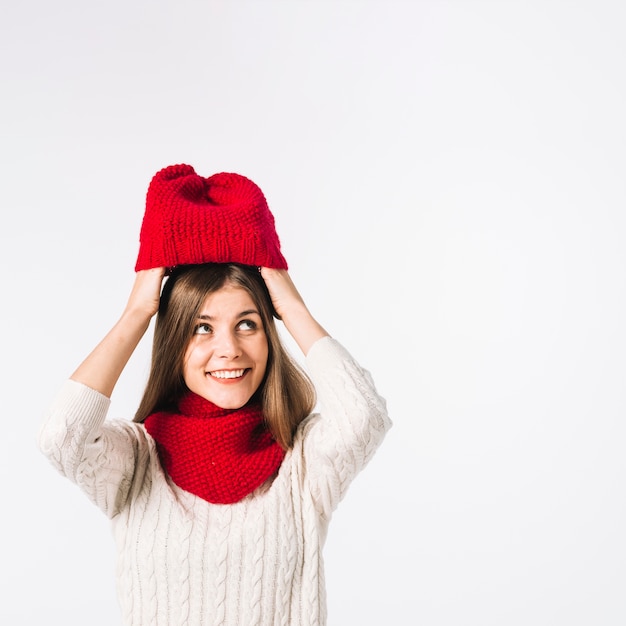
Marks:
<point>102,458</point>
<point>291,309</point>
<point>102,368</point>
<point>339,441</point>
<point>352,422</point>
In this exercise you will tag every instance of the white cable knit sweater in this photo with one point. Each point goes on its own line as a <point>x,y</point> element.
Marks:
<point>183,561</point>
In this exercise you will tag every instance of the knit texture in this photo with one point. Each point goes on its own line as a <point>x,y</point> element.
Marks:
<point>189,220</point>
<point>185,561</point>
<point>220,455</point>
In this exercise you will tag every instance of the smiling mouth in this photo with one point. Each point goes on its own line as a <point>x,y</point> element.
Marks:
<point>224,374</point>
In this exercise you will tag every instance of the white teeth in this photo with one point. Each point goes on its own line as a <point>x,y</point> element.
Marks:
<point>227,374</point>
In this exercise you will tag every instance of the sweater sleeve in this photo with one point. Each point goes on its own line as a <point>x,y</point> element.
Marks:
<point>102,457</point>
<point>352,422</point>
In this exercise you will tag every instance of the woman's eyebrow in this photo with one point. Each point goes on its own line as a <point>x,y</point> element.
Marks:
<point>206,316</point>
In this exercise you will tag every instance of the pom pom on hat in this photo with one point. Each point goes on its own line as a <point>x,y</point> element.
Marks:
<point>220,219</point>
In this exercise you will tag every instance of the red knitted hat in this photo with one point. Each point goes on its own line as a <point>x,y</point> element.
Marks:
<point>221,219</point>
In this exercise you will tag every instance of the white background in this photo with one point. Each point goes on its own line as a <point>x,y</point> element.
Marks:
<point>448,183</point>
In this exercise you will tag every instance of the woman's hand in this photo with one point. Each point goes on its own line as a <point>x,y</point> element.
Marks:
<point>283,292</point>
<point>146,292</point>
<point>103,366</point>
<point>291,309</point>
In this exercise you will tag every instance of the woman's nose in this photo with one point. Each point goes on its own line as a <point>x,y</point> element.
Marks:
<point>227,345</point>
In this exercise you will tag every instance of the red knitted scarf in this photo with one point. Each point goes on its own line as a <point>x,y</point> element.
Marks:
<point>220,455</point>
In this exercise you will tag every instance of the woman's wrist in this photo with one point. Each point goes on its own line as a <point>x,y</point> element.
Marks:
<point>303,327</point>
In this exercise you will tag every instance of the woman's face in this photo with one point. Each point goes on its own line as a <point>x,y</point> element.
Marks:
<point>226,358</point>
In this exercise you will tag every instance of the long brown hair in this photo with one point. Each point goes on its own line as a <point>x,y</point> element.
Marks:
<point>286,394</point>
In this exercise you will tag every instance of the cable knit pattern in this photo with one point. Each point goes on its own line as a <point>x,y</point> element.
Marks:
<point>185,561</point>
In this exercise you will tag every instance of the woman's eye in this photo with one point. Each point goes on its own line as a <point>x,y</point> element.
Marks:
<point>202,329</point>
<point>247,325</point>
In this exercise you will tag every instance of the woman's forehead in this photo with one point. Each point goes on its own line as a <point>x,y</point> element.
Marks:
<point>228,301</point>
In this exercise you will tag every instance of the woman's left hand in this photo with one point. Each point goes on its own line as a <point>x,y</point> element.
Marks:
<point>291,309</point>
<point>282,291</point>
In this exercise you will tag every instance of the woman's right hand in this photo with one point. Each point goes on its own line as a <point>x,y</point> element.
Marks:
<point>103,366</point>
<point>146,292</point>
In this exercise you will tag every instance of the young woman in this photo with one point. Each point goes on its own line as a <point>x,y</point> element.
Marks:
<point>221,490</point>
